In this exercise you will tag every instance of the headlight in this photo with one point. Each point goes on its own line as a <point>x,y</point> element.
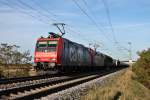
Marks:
<point>53,59</point>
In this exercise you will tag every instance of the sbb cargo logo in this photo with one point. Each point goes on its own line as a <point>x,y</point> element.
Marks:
<point>73,54</point>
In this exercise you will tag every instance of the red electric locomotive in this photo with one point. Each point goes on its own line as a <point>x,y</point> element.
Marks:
<point>57,53</point>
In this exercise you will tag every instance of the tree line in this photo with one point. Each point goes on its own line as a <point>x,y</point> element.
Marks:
<point>10,54</point>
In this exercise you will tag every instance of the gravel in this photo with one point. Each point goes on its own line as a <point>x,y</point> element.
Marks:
<point>74,93</point>
<point>28,83</point>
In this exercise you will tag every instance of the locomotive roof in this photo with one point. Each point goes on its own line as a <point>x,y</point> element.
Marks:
<point>75,42</point>
<point>47,39</point>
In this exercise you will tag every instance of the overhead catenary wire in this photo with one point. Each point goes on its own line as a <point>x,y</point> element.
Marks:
<point>27,5</point>
<point>110,22</point>
<point>35,17</point>
<point>32,8</point>
<point>91,12</point>
<point>111,26</point>
<point>109,19</point>
<point>53,15</point>
<point>86,4</point>
<point>91,19</point>
<point>77,33</point>
<point>22,11</point>
<point>45,15</point>
<point>44,9</point>
<point>70,28</point>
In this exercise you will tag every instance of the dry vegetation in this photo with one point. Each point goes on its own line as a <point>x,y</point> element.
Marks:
<point>123,87</point>
<point>16,70</point>
<point>142,68</point>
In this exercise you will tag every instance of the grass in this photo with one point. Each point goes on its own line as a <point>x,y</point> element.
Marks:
<point>11,71</point>
<point>122,87</point>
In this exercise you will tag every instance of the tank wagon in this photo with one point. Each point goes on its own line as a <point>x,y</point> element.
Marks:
<point>60,54</point>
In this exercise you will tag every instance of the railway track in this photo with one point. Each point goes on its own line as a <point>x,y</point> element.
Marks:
<point>22,79</point>
<point>37,89</point>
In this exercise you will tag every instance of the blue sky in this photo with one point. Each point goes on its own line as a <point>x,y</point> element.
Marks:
<point>22,25</point>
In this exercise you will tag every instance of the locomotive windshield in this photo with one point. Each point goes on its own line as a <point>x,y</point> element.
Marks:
<point>42,44</point>
<point>52,43</point>
<point>48,46</point>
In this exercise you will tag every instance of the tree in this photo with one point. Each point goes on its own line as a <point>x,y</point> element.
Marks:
<point>26,57</point>
<point>5,52</point>
<point>142,67</point>
<point>9,54</point>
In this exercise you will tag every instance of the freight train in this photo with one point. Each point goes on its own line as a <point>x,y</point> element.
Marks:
<point>56,53</point>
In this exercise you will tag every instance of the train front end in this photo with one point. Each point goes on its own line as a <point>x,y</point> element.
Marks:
<point>47,53</point>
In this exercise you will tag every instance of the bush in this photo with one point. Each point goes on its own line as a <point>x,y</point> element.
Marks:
<point>142,68</point>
